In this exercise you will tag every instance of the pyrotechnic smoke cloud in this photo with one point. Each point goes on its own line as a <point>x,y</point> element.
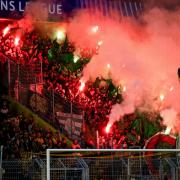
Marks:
<point>26,23</point>
<point>36,15</point>
<point>166,4</point>
<point>33,15</point>
<point>37,11</point>
<point>170,114</point>
<point>143,55</point>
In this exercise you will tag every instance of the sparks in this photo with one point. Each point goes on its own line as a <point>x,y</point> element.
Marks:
<point>81,88</point>
<point>124,88</point>
<point>95,29</point>
<point>76,58</point>
<point>100,43</point>
<point>6,30</point>
<point>161,97</point>
<point>171,88</point>
<point>108,127</point>
<point>16,41</point>
<point>60,35</point>
<point>167,131</point>
<point>108,66</point>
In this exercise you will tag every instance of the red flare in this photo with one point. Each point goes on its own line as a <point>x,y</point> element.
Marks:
<point>16,41</point>
<point>81,88</point>
<point>6,30</point>
<point>108,127</point>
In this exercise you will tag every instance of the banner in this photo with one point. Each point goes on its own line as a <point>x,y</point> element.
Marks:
<point>36,88</point>
<point>71,123</point>
<point>38,103</point>
<point>14,9</point>
<point>60,9</point>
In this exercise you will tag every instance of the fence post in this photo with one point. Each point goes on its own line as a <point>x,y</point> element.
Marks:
<point>36,108</point>
<point>83,122</point>
<point>97,139</point>
<point>53,106</point>
<point>71,117</point>
<point>17,83</point>
<point>41,71</point>
<point>48,164</point>
<point>1,158</point>
<point>178,147</point>
<point>43,173</point>
<point>9,78</point>
<point>161,169</point>
<point>128,169</point>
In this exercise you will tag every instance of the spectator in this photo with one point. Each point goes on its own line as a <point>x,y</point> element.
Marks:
<point>75,145</point>
<point>4,111</point>
<point>64,144</point>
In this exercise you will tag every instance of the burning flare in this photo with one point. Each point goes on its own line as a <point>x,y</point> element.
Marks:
<point>81,88</point>
<point>108,127</point>
<point>6,30</point>
<point>124,88</point>
<point>167,131</point>
<point>108,66</point>
<point>76,58</point>
<point>162,96</point>
<point>100,43</point>
<point>16,41</point>
<point>61,35</point>
<point>95,29</point>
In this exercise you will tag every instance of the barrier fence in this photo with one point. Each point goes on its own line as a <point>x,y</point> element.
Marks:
<point>112,164</point>
<point>25,84</point>
<point>95,164</point>
<point>109,8</point>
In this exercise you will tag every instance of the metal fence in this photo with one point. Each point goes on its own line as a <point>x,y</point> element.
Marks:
<point>35,169</point>
<point>22,170</point>
<point>95,166</point>
<point>120,164</point>
<point>25,84</point>
<point>109,8</point>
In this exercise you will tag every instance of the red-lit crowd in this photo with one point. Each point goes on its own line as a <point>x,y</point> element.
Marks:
<point>96,100</point>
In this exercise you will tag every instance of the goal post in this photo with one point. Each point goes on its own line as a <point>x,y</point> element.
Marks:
<point>62,160</point>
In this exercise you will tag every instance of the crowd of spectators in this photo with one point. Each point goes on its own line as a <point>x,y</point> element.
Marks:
<point>20,134</point>
<point>96,99</point>
<point>119,138</point>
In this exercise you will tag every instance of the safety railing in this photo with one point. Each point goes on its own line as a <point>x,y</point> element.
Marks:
<point>114,164</point>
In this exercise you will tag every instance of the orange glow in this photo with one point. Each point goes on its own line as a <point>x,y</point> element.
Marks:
<point>124,88</point>
<point>61,35</point>
<point>162,97</point>
<point>76,58</point>
<point>100,43</point>
<point>16,41</point>
<point>171,88</point>
<point>108,127</point>
<point>95,29</point>
<point>6,30</point>
<point>81,88</point>
<point>108,66</point>
<point>168,130</point>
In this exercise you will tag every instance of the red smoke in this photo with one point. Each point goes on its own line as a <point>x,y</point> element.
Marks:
<point>143,56</point>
